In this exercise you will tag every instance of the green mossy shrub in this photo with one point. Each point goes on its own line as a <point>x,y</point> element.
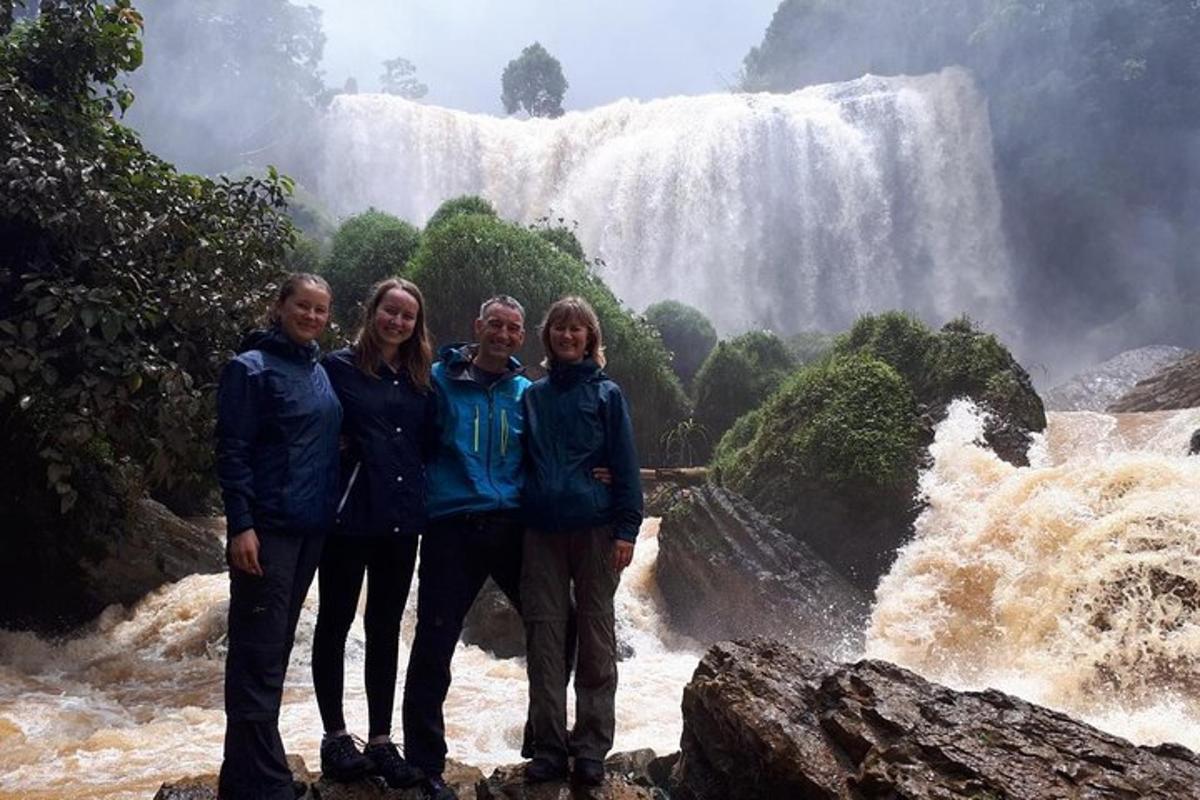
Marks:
<point>808,347</point>
<point>737,377</point>
<point>686,332</point>
<point>895,337</point>
<point>465,204</point>
<point>851,419</point>
<point>562,238</point>
<point>734,440</point>
<point>469,257</point>
<point>367,248</point>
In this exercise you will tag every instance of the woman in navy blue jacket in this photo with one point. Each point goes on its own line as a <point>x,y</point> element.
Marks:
<point>383,382</point>
<point>277,461</point>
<point>580,534</point>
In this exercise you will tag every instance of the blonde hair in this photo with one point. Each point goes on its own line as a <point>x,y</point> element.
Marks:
<point>416,352</point>
<point>574,308</point>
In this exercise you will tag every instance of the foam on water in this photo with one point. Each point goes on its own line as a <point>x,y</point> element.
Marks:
<point>1074,582</point>
<point>114,713</point>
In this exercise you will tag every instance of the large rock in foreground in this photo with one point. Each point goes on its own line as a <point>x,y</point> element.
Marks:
<point>762,720</point>
<point>65,581</point>
<point>726,572</point>
<point>1176,386</point>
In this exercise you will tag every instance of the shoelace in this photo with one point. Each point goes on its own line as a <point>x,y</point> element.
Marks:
<point>389,754</point>
<point>346,746</point>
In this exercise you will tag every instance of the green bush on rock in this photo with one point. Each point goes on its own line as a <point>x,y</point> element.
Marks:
<point>367,248</point>
<point>466,204</point>
<point>468,257</point>
<point>686,332</point>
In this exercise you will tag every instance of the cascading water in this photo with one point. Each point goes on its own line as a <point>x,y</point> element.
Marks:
<point>1074,582</point>
<point>793,212</point>
<point>114,713</point>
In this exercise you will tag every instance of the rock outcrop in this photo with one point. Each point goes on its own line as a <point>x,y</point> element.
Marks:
<point>764,720</point>
<point>1176,386</point>
<point>631,776</point>
<point>67,582</point>
<point>725,572</point>
<point>493,624</point>
<point>1097,387</point>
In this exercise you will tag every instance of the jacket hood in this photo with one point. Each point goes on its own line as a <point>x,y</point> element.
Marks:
<point>457,357</point>
<point>274,340</point>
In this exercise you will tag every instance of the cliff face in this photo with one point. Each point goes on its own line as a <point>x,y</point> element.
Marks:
<point>1096,388</point>
<point>762,720</point>
<point>1177,386</point>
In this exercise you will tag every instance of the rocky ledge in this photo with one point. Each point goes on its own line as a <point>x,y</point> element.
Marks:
<point>763,720</point>
<point>1176,386</point>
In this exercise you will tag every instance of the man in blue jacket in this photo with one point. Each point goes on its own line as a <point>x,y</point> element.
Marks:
<point>474,492</point>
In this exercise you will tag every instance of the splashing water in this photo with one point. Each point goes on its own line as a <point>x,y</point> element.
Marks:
<point>831,201</point>
<point>138,701</point>
<point>1074,582</point>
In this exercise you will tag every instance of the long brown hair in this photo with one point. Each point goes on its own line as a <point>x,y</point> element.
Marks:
<point>574,308</point>
<point>291,284</point>
<point>415,354</point>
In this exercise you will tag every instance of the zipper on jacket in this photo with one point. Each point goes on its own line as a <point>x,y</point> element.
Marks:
<point>503,432</point>
<point>476,429</point>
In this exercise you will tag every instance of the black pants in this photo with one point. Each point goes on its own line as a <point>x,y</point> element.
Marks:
<point>388,563</point>
<point>457,556</point>
<point>263,612</point>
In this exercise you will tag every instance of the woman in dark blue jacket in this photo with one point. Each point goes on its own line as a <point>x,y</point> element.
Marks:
<point>383,382</point>
<point>277,461</point>
<point>580,534</point>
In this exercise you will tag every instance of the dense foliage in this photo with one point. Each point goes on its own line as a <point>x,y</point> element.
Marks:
<point>229,83</point>
<point>367,248</point>
<point>400,78</point>
<point>737,377</point>
<point>849,419</point>
<point>686,332</point>
<point>533,82</point>
<point>466,204</point>
<point>1095,111</point>
<point>123,284</point>
<point>468,257</point>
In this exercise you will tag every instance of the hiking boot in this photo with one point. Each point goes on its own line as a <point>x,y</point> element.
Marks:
<point>341,761</point>
<point>434,788</point>
<point>588,771</point>
<point>391,766</point>
<point>544,770</point>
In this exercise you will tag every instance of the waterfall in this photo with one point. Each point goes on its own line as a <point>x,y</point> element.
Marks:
<point>788,211</point>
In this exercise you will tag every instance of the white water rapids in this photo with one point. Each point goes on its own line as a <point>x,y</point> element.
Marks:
<point>791,212</point>
<point>1073,583</point>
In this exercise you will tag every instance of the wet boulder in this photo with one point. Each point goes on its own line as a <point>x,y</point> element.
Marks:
<point>765,720</point>
<point>725,571</point>
<point>1175,386</point>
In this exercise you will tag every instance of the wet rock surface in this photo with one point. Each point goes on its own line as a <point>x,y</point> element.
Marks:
<point>1097,387</point>
<point>765,720</point>
<point>1175,386</point>
<point>725,572</point>
<point>494,625</point>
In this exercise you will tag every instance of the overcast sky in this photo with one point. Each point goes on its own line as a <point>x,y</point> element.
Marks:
<point>609,50</point>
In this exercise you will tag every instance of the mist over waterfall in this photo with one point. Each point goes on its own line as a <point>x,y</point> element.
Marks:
<point>790,211</point>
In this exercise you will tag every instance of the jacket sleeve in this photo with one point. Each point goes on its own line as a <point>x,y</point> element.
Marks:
<point>623,461</point>
<point>237,432</point>
<point>430,430</point>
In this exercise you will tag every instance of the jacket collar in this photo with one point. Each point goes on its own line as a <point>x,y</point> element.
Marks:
<point>458,358</point>
<point>570,374</point>
<point>273,340</point>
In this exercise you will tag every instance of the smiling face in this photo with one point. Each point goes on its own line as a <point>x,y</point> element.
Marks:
<point>396,318</point>
<point>569,340</point>
<point>500,333</point>
<point>304,313</point>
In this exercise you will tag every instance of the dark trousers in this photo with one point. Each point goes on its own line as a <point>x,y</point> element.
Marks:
<point>263,612</point>
<point>457,556</point>
<point>552,563</point>
<point>388,562</point>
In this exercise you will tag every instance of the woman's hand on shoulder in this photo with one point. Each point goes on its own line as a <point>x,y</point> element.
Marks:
<point>602,474</point>
<point>243,552</point>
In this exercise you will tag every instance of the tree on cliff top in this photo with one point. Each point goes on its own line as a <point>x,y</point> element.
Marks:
<point>534,82</point>
<point>400,78</point>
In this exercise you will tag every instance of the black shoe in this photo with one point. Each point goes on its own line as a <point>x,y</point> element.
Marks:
<point>388,764</point>
<point>299,789</point>
<point>341,761</point>
<point>588,771</point>
<point>435,788</point>
<point>544,770</point>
